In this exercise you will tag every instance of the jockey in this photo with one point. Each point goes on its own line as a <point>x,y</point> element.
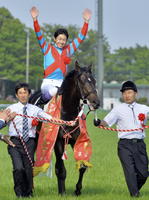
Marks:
<point>56,57</point>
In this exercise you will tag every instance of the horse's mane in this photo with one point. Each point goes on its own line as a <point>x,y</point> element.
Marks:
<point>64,85</point>
<point>69,76</point>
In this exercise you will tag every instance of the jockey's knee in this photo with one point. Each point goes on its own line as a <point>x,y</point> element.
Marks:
<point>53,91</point>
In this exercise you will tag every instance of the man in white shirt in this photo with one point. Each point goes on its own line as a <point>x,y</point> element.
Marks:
<point>22,170</point>
<point>131,147</point>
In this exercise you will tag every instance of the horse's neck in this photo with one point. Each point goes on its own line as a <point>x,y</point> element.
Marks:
<point>70,106</point>
<point>70,103</point>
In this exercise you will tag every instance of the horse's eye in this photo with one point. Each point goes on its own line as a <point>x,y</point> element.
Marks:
<point>89,79</point>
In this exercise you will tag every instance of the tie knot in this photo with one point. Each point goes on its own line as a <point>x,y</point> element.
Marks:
<point>24,110</point>
<point>131,106</point>
<point>25,107</point>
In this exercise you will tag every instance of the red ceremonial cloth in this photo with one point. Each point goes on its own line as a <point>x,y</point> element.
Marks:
<point>83,147</point>
<point>48,135</point>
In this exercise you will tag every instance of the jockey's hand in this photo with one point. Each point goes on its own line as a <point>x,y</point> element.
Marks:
<point>72,123</point>
<point>7,140</point>
<point>34,13</point>
<point>87,15</point>
<point>97,123</point>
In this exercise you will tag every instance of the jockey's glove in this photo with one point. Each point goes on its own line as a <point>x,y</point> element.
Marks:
<point>97,123</point>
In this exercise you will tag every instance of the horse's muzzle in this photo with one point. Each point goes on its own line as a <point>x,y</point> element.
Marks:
<point>95,104</point>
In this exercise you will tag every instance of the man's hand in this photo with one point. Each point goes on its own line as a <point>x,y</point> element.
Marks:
<point>7,140</point>
<point>34,13</point>
<point>97,123</point>
<point>72,123</point>
<point>87,15</point>
<point>11,116</point>
<point>4,114</point>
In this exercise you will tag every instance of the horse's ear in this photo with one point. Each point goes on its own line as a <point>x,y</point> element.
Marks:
<point>77,66</point>
<point>90,66</point>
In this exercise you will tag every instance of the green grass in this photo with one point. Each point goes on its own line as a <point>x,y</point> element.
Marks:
<point>5,102</point>
<point>105,180</point>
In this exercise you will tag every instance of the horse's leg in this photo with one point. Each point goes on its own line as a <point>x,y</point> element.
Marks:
<point>60,170</point>
<point>77,192</point>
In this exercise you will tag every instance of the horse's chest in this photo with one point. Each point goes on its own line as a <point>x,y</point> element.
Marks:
<point>69,133</point>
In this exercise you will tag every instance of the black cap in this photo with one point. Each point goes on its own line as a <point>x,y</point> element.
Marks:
<point>129,85</point>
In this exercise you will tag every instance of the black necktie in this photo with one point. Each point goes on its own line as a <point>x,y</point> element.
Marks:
<point>25,125</point>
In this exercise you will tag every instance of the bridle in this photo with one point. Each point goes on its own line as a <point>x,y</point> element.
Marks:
<point>83,95</point>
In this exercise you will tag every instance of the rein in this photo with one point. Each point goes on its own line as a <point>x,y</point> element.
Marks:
<point>123,130</point>
<point>46,120</point>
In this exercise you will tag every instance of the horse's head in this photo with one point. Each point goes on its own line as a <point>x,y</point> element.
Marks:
<point>86,89</point>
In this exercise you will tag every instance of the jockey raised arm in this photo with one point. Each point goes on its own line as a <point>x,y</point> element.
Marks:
<point>57,56</point>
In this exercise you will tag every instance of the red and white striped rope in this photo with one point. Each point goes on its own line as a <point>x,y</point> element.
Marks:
<point>123,130</point>
<point>41,119</point>
<point>52,120</point>
<point>31,162</point>
<point>44,119</point>
<point>79,115</point>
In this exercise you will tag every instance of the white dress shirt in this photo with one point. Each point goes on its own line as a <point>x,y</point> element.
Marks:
<point>124,118</point>
<point>31,111</point>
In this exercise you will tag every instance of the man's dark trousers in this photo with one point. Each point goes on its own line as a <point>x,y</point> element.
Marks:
<point>134,160</point>
<point>22,171</point>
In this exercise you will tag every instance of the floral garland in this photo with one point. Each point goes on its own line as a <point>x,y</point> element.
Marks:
<point>34,122</point>
<point>142,117</point>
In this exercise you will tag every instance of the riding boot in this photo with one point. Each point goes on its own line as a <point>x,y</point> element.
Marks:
<point>44,99</point>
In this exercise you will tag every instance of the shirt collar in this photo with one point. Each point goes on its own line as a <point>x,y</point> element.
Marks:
<point>22,106</point>
<point>133,104</point>
<point>57,47</point>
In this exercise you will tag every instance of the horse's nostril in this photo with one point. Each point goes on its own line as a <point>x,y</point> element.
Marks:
<point>95,104</point>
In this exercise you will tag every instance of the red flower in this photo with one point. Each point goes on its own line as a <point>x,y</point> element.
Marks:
<point>34,122</point>
<point>67,60</point>
<point>141,117</point>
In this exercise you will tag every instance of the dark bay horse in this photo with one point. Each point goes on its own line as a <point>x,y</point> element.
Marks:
<point>78,84</point>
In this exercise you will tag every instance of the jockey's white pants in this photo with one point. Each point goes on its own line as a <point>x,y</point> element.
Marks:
<point>49,85</point>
